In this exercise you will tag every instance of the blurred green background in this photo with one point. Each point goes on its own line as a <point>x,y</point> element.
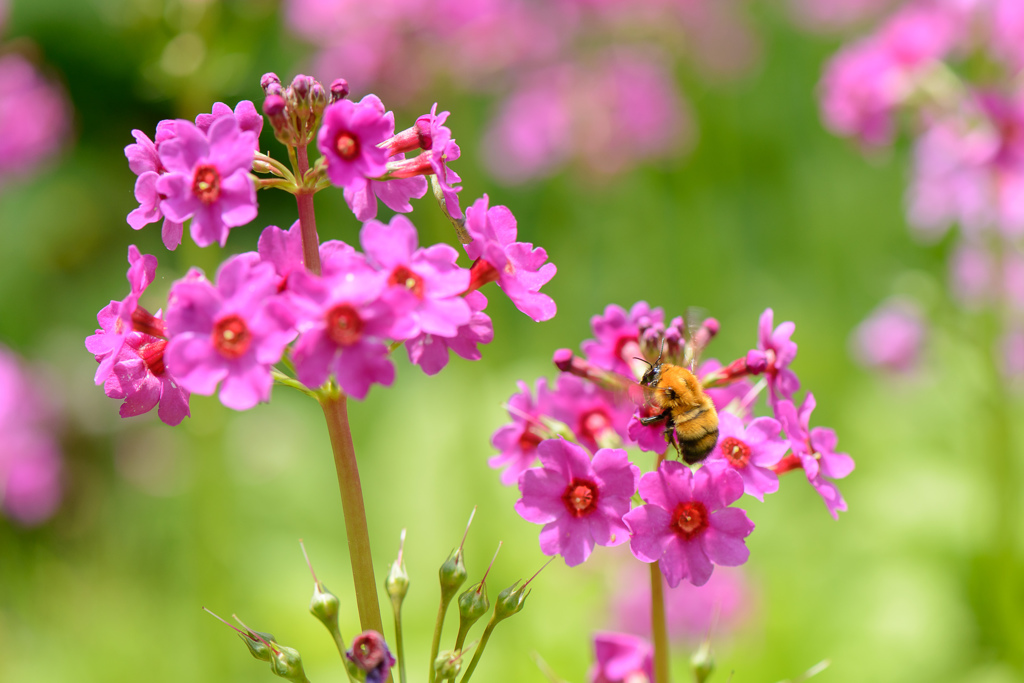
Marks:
<point>918,581</point>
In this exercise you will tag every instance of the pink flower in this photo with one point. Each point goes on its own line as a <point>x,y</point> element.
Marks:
<point>345,320</point>
<point>816,449</point>
<point>283,250</point>
<point>579,502</point>
<point>229,334</point>
<point>429,277</point>
<point>245,114</point>
<point>140,377</point>
<point>517,442</point>
<point>519,268</point>
<point>117,319</point>
<point>596,416</point>
<point>144,161</point>
<point>749,451</point>
<point>35,117</point>
<point>621,658</point>
<point>430,351</point>
<point>648,438</point>
<point>891,337</point>
<point>348,139</point>
<point>690,611</point>
<point>207,179</point>
<point>618,336</point>
<point>687,525</point>
<point>778,351</point>
<point>734,397</point>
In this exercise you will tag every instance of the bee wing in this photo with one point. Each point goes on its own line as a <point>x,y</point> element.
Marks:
<point>693,320</point>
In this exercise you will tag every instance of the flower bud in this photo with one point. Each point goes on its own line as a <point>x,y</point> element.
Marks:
<point>510,601</point>
<point>301,85</point>
<point>756,362</point>
<point>269,79</point>
<point>473,604</point>
<point>339,89</point>
<point>396,583</point>
<point>287,664</point>
<point>447,665</point>
<point>318,99</point>
<point>452,574</point>
<point>258,648</point>
<point>325,606</point>
<point>702,662</point>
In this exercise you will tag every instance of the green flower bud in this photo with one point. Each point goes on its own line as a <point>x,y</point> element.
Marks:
<point>702,662</point>
<point>287,664</point>
<point>325,606</point>
<point>473,604</point>
<point>452,574</point>
<point>257,648</point>
<point>510,601</point>
<point>448,664</point>
<point>396,583</point>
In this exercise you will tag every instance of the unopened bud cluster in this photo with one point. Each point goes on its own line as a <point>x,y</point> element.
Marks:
<point>295,111</point>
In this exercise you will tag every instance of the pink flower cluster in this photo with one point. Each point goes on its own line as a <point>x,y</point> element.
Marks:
<point>577,428</point>
<point>35,117</point>
<point>31,464</point>
<point>563,101</point>
<point>920,65</point>
<point>336,327</point>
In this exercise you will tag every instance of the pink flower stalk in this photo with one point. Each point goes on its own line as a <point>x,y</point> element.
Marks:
<point>597,417</point>
<point>118,318</point>
<point>283,250</point>
<point>31,463</point>
<point>35,117</point>
<point>749,451</point>
<point>230,333</point>
<point>144,161</point>
<point>865,83</point>
<point>141,378</point>
<point>249,120</point>
<point>687,525</point>
<point>517,442</point>
<point>344,321</point>
<point>428,277</point>
<point>580,502</point>
<point>518,268</point>
<point>618,336</point>
<point>891,338</point>
<point>621,658</point>
<point>722,604</point>
<point>816,449</point>
<point>349,139</point>
<point>207,179</point>
<point>430,352</point>
<point>778,351</point>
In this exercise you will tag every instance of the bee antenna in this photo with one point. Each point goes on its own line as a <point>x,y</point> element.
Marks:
<point>642,360</point>
<point>660,351</point>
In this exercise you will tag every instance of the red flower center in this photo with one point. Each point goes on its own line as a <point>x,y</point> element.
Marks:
<point>580,497</point>
<point>594,424</point>
<point>231,337</point>
<point>403,277</point>
<point>344,326</point>
<point>689,519</point>
<point>529,440</point>
<point>347,145</point>
<point>153,355</point>
<point>206,184</point>
<point>735,451</point>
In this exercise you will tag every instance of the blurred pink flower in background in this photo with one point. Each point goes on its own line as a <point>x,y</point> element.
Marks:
<point>30,457</point>
<point>891,338</point>
<point>832,15</point>
<point>972,270</point>
<point>723,604</point>
<point>35,116</point>
<point>1011,354</point>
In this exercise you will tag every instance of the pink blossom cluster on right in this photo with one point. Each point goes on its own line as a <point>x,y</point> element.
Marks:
<point>953,71</point>
<point>578,428</point>
<point>585,83</point>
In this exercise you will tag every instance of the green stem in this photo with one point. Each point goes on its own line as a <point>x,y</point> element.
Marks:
<point>287,381</point>
<point>658,630</point>
<point>335,410</point>
<point>479,650</point>
<point>396,607</point>
<point>435,645</point>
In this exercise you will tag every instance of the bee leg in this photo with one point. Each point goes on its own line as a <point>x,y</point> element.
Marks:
<point>671,436</point>
<point>647,421</point>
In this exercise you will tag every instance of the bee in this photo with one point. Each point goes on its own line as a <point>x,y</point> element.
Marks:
<point>691,422</point>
